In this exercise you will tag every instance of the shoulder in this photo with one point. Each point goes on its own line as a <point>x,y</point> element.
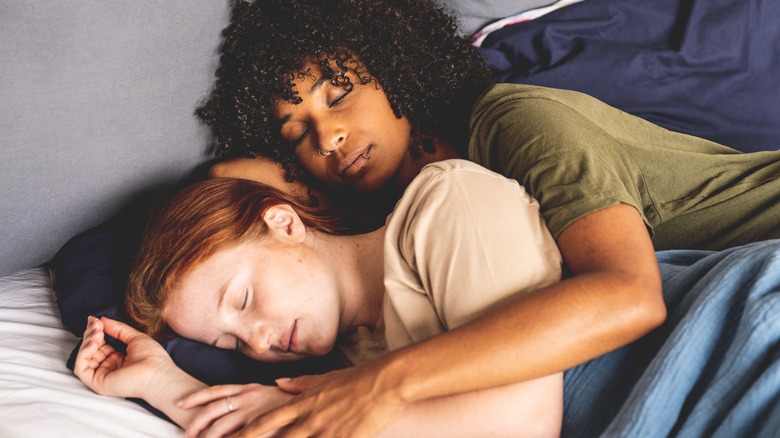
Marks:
<point>460,176</point>
<point>453,195</point>
<point>533,114</point>
<point>503,98</point>
<point>446,171</point>
<point>452,185</point>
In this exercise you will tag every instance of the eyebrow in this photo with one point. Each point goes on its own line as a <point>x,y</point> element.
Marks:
<point>317,84</point>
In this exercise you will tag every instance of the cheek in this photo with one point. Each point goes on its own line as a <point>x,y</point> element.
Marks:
<point>398,133</point>
<point>311,163</point>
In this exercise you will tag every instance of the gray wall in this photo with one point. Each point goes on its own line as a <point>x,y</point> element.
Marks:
<point>96,105</point>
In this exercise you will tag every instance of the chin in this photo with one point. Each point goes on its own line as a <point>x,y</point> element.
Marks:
<point>369,184</point>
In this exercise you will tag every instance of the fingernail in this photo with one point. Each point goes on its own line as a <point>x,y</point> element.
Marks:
<point>282,380</point>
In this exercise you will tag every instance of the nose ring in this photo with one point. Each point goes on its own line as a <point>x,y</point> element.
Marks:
<point>324,154</point>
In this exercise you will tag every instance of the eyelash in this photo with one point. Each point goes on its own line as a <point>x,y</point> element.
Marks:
<point>246,299</point>
<point>338,100</point>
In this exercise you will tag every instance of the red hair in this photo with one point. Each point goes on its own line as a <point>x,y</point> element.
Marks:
<point>200,220</point>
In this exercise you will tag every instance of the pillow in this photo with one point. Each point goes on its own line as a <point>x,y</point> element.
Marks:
<point>657,60</point>
<point>90,272</point>
<point>474,14</point>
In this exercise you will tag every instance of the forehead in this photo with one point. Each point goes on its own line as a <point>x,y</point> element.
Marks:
<point>294,88</point>
<point>194,299</point>
<point>301,79</point>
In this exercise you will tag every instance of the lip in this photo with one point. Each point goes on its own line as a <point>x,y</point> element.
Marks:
<point>286,343</point>
<point>354,162</point>
<point>293,346</point>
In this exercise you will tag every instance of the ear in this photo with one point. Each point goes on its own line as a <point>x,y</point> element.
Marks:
<point>284,223</point>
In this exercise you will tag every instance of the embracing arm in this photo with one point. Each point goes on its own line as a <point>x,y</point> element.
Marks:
<point>530,408</point>
<point>263,170</point>
<point>613,299</point>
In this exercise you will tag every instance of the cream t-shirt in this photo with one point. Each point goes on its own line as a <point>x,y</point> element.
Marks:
<point>461,241</point>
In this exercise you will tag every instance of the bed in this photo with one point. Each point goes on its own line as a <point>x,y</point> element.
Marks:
<point>39,395</point>
<point>96,112</point>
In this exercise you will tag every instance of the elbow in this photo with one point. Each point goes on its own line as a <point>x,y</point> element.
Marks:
<point>649,307</point>
<point>657,315</point>
<point>219,170</point>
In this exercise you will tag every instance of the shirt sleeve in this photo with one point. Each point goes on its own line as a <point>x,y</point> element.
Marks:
<point>472,239</point>
<point>560,151</point>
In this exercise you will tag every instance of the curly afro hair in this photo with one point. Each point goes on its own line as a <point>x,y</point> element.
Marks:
<point>430,74</point>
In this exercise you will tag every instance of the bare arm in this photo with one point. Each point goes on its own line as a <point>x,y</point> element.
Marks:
<point>613,299</point>
<point>532,408</point>
<point>145,372</point>
<point>263,170</point>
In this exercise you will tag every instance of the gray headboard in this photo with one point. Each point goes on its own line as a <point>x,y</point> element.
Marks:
<point>96,105</point>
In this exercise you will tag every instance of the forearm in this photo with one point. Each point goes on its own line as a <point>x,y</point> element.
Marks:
<point>542,333</point>
<point>533,408</point>
<point>266,171</point>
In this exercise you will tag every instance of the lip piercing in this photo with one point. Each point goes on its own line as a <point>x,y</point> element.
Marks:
<point>324,154</point>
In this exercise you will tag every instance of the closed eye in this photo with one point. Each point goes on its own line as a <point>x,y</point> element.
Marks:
<point>246,299</point>
<point>340,98</point>
<point>297,141</point>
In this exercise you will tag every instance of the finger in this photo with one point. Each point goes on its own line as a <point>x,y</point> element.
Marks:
<point>89,355</point>
<point>295,432</point>
<point>84,365</point>
<point>209,415</point>
<point>274,420</point>
<point>94,328</point>
<point>224,426</point>
<point>119,330</point>
<point>300,384</point>
<point>208,395</point>
<point>94,355</point>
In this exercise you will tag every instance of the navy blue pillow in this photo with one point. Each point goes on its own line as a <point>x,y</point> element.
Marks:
<point>91,272</point>
<point>708,69</point>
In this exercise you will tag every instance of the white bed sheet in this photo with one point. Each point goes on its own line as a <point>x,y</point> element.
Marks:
<point>39,395</point>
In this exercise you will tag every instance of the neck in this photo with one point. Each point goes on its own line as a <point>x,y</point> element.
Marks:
<point>411,167</point>
<point>359,262</point>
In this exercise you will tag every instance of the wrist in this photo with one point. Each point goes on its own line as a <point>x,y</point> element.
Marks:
<point>164,381</point>
<point>169,385</point>
<point>395,378</point>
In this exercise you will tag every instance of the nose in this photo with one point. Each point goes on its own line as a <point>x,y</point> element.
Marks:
<point>331,138</point>
<point>258,338</point>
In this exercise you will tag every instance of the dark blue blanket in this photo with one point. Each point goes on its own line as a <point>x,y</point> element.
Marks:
<point>710,68</point>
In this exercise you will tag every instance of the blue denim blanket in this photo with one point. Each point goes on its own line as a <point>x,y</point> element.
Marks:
<point>712,369</point>
<point>707,68</point>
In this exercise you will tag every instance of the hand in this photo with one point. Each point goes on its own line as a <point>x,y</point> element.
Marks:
<point>350,402</point>
<point>109,372</point>
<point>216,419</point>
